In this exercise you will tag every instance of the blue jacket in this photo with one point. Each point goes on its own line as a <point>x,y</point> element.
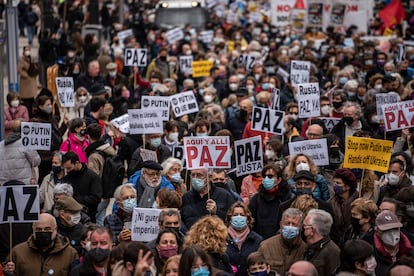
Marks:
<point>321,190</point>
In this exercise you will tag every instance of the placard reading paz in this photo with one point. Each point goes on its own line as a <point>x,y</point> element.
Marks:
<point>268,120</point>
<point>249,155</point>
<point>36,136</point>
<point>398,115</point>
<point>145,224</point>
<point>207,152</point>
<point>135,57</point>
<point>19,204</point>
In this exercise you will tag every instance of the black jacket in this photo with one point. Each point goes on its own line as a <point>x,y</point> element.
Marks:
<point>339,130</point>
<point>136,160</point>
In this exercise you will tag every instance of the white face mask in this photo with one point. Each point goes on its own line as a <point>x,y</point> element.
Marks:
<point>378,86</point>
<point>15,103</point>
<point>240,76</point>
<point>302,167</point>
<point>325,110</point>
<point>27,53</point>
<point>269,154</point>
<point>233,87</point>
<point>391,237</point>
<point>371,264</point>
<point>208,98</point>
<point>112,73</point>
<point>250,88</point>
<point>173,136</point>
<point>88,246</point>
<point>82,98</point>
<point>393,179</point>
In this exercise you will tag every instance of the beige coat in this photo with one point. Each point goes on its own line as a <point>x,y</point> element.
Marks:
<point>27,84</point>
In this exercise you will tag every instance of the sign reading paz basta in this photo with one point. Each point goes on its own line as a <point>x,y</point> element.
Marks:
<point>249,155</point>
<point>207,152</point>
<point>367,153</point>
<point>19,204</point>
<point>36,136</point>
<point>66,88</point>
<point>145,224</point>
<point>267,120</point>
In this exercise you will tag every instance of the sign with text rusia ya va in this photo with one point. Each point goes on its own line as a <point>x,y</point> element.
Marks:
<point>268,120</point>
<point>367,153</point>
<point>309,100</point>
<point>65,89</point>
<point>142,121</point>
<point>36,136</point>
<point>316,149</point>
<point>398,115</point>
<point>144,225</point>
<point>184,103</point>
<point>135,57</point>
<point>159,103</point>
<point>19,204</point>
<point>207,152</point>
<point>249,155</point>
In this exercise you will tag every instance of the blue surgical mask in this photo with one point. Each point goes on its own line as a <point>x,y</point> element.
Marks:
<point>176,178</point>
<point>343,80</point>
<point>201,271</point>
<point>156,142</point>
<point>198,184</point>
<point>129,204</point>
<point>268,183</point>
<point>290,232</point>
<point>338,189</point>
<point>238,222</point>
<point>265,86</point>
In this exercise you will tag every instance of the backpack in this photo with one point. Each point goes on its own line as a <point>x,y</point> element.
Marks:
<point>31,18</point>
<point>113,174</point>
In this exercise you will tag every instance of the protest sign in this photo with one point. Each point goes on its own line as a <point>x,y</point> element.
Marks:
<point>330,122</point>
<point>275,98</point>
<point>280,11</point>
<point>316,149</point>
<point>178,152</point>
<point>248,61</point>
<point>145,121</point>
<point>160,103</point>
<point>299,71</point>
<point>399,56</point>
<point>135,57</point>
<point>184,103</point>
<point>124,34</point>
<point>231,17</point>
<point>19,204</point>
<point>174,35</point>
<point>255,17</point>
<point>206,36</point>
<point>144,225</point>
<point>315,13</point>
<point>385,98</point>
<point>65,89</point>
<point>398,115</point>
<point>268,120</point>
<point>249,155</point>
<point>148,155</point>
<point>186,64</point>
<point>121,123</point>
<point>36,136</point>
<point>201,68</point>
<point>367,153</point>
<point>207,152</point>
<point>309,100</point>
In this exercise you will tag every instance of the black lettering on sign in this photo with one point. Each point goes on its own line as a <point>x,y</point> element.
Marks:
<point>10,207</point>
<point>279,118</point>
<point>240,153</point>
<point>32,192</point>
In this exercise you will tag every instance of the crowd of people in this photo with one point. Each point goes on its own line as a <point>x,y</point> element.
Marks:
<point>293,217</point>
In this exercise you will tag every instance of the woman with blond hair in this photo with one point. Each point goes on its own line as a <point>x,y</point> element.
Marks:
<point>210,234</point>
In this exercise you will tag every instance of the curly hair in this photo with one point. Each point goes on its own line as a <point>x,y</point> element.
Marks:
<point>367,208</point>
<point>247,213</point>
<point>290,170</point>
<point>304,203</point>
<point>210,233</point>
<point>368,181</point>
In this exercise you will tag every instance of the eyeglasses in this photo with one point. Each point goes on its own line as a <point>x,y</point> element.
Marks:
<point>153,174</point>
<point>270,175</point>
<point>198,175</point>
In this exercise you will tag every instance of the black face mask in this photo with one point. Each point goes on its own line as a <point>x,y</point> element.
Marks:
<point>348,120</point>
<point>241,114</point>
<point>220,184</point>
<point>163,58</point>
<point>355,225</point>
<point>82,132</point>
<point>336,105</point>
<point>99,255</point>
<point>43,239</point>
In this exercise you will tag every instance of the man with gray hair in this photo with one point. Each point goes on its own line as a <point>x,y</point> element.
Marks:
<point>321,250</point>
<point>284,249</point>
<point>168,218</point>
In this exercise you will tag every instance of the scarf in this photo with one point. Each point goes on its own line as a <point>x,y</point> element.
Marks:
<point>238,237</point>
<point>147,198</point>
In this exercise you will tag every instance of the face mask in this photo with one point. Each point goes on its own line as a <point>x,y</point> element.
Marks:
<point>242,113</point>
<point>173,64</point>
<point>47,109</point>
<point>290,232</point>
<point>343,80</point>
<point>355,224</point>
<point>351,94</point>
<point>88,246</point>
<point>201,91</point>
<point>56,169</point>
<point>240,76</point>
<point>163,58</point>
<point>337,105</point>
<point>82,99</point>
<point>233,87</point>
<point>198,184</point>
<point>15,103</point>
<point>294,116</point>
<point>188,53</point>
<point>173,136</point>
<point>176,178</point>
<point>378,86</point>
<point>43,239</point>
<point>375,119</point>
<point>348,120</point>
<point>238,222</point>
<point>371,264</point>
<point>167,252</point>
<point>156,142</point>
<point>99,255</point>
<point>155,205</point>
<point>259,273</point>
<point>391,237</point>
<point>202,271</point>
<point>129,204</point>
<point>325,110</point>
<point>284,52</point>
<point>303,191</point>
<point>208,98</point>
<point>82,132</point>
<point>71,54</point>
<point>393,179</point>
<point>112,74</point>
<point>302,167</point>
<point>265,86</point>
<point>202,134</point>
<point>250,88</point>
<point>27,53</point>
<point>75,73</point>
<point>269,154</point>
<point>220,184</point>
<point>338,189</point>
<point>75,219</point>
<point>268,183</point>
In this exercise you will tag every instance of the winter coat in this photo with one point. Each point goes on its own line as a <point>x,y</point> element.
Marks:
<point>30,260</point>
<point>324,255</point>
<point>46,191</point>
<point>16,161</point>
<point>115,222</point>
<point>13,113</point>
<point>247,189</point>
<point>321,190</point>
<point>75,145</point>
<point>238,257</point>
<point>96,161</point>
<point>342,212</point>
<point>281,254</point>
<point>73,233</point>
<point>391,190</point>
<point>27,84</point>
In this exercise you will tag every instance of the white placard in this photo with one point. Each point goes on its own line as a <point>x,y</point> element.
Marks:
<point>161,103</point>
<point>178,152</point>
<point>184,103</point>
<point>275,98</point>
<point>309,100</point>
<point>124,34</point>
<point>206,36</point>
<point>121,123</point>
<point>231,17</point>
<point>280,11</point>
<point>19,204</point>
<point>36,136</point>
<point>66,88</point>
<point>249,155</point>
<point>148,155</point>
<point>145,121</point>
<point>268,120</point>
<point>385,98</point>
<point>255,17</point>
<point>207,152</point>
<point>330,122</point>
<point>144,226</point>
<point>316,149</point>
<point>398,115</point>
<point>299,71</point>
<point>174,35</point>
<point>186,64</point>
<point>248,61</point>
<point>135,57</point>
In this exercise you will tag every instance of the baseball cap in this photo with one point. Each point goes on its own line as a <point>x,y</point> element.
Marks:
<point>387,220</point>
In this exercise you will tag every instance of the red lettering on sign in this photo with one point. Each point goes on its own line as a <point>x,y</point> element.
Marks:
<point>352,8</point>
<point>191,155</point>
<point>389,118</point>
<point>401,119</point>
<point>205,157</point>
<point>283,8</point>
<point>222,150</point>
<point>327,7</point>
